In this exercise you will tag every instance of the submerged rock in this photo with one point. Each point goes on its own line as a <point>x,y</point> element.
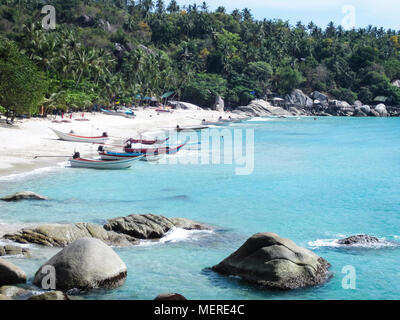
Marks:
<point>10,250</point>
<point>359,239</point>
<point>51,295</point>
<point>274,262</point>
<point>149,226</point>
<point>25,195</point>
<point>85,264</point>
<point>61,235</point>
<point>170,296</point>
<point>10,273</point>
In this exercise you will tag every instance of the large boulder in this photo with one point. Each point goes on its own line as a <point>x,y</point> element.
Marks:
<point>85,264</point>
<point>170,296</point>
<point>359,239</point>
<point>359,113</point>
<point>365,108</point>
<point>274,262</point>
<point>24,195</point>
<point>261,108</point>
<point>10,250</point>
<point>3,297</point>
<point>321,97</point>
<point>381,109</point>
<point>298,99</point>
<point>61,235</point>
<point>219,104</point>
<point>10,273</point>
<point>85,21</point>
<point>358,103</point>
<point>396,83</point>
<point>149,226</point>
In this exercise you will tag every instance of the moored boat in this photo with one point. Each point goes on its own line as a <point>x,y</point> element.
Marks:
<point>78,138</point>
<point>78,162</point>
<point>147,141</point>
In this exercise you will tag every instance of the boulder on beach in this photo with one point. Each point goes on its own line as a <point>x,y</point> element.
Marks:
<point>359,113</point>
<point>219,104</point>
<point>10,273</point>
<point>51,295</point>
<point>359,239</point>
<point>149,226</point>
<point>321,97</point>
<point>61,235</point>
<point>267,259</point>
<point>299,99</point>
<point>170,296</point>
<point>10,250</point>
<point>24,195</point>
<point>85,264</point>
<point>381,109</point>
<point>261,108</point>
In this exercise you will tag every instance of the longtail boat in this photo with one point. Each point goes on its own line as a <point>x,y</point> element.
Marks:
<point>149,154</point>
<point>147,142</point>
<point>167,149</point>
<point>78,162</point>
<point>124,113</point>
<point>78,138</point>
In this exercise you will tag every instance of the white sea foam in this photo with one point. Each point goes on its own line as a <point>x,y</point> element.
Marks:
<point>260,119</point>
<point>178,235</point>
<point>38,171</point>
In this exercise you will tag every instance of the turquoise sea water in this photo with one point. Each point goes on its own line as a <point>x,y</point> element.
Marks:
<point>314,181</point>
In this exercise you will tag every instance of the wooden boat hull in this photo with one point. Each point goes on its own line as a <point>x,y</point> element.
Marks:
<point>147,142</point>
<point>147,154</point>
<point>155,151</point>
<point>103,165</point>
<point>117,113</point>
<point>77,138</point>
<point>183,129</point>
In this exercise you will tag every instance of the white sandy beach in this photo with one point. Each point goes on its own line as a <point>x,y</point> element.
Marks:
<point>32,137</point>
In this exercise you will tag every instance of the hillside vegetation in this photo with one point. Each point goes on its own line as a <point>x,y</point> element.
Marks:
<point>108,50</point>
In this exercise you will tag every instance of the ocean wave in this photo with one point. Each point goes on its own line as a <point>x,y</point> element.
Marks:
<point>38,171</point>
<point>178,235</point>
<point>260,119</point>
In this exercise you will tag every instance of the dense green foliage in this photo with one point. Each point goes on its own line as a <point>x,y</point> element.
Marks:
<point>118,49</point>
<point>22,85</point>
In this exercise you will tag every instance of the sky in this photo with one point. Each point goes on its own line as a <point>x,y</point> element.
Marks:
<point>348,13</point>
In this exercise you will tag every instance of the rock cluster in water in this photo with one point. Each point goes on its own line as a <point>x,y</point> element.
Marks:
<point>122,231</point>
<point>359,239</point>
<point>10,250</point>
<point>317,104</point>
<point>274,262</point>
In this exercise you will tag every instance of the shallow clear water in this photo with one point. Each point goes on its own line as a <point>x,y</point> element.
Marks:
<point>313,182</point>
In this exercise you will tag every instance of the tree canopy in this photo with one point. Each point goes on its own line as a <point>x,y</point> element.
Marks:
<point>106,50</point>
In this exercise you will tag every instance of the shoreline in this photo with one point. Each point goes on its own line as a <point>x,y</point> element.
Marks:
<point>32,137</point>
